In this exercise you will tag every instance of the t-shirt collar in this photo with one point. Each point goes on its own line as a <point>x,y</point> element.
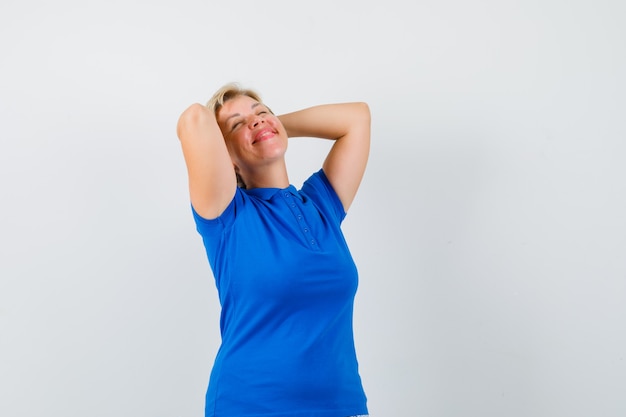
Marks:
<point>268,193</point>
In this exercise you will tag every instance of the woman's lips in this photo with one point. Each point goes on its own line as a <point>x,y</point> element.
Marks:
<point>264,134</point>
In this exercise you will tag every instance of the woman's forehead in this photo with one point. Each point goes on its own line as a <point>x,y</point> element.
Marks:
<point>237,106</point>
<point>239,103</point>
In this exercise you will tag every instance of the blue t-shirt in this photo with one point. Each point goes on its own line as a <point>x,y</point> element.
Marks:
<point>286,283</point>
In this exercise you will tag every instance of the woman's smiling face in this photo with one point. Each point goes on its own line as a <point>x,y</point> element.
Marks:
<point>253,134</point>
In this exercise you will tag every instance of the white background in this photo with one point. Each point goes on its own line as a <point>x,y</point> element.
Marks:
<point>489,230</point>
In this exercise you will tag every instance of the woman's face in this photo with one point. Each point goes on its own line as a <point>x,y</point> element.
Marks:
<point>253,135</point>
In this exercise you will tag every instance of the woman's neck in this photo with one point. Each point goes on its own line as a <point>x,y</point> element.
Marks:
<point>269,176</point>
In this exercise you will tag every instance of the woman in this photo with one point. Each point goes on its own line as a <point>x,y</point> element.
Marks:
<point>285,277</point>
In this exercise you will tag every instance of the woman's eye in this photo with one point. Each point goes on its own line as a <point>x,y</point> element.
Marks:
<point>235,126</point>
<point>261,112</point>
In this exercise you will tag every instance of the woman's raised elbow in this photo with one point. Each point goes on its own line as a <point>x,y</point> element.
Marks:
<point>363,111</point>
<point>193,117</point>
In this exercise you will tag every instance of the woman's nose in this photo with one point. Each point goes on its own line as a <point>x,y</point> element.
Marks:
<point>256,120</point>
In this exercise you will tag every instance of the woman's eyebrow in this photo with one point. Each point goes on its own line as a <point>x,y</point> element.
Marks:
<point>238,114</point>
<point>231,116</point>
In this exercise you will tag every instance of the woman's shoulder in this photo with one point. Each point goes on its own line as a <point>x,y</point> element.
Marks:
<point>319,189</point>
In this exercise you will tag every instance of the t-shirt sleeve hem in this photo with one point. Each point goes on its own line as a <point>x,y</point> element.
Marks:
<point>324,190</point>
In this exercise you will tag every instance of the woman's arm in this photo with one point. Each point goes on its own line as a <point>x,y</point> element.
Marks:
<point>349,125</point>
<point>212,181</point>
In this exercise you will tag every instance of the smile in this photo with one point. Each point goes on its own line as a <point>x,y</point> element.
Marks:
<point>264,134</point>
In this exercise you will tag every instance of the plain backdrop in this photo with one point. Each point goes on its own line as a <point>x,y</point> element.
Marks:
<point>489,230</point>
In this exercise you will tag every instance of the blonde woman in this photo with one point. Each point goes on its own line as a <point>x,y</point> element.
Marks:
<point>285,277</point>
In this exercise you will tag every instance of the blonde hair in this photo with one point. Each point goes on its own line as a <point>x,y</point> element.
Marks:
<point>227,92</point>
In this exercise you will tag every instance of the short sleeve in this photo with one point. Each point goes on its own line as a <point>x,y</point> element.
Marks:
<point>213,230</point>
<point>321,192</point>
